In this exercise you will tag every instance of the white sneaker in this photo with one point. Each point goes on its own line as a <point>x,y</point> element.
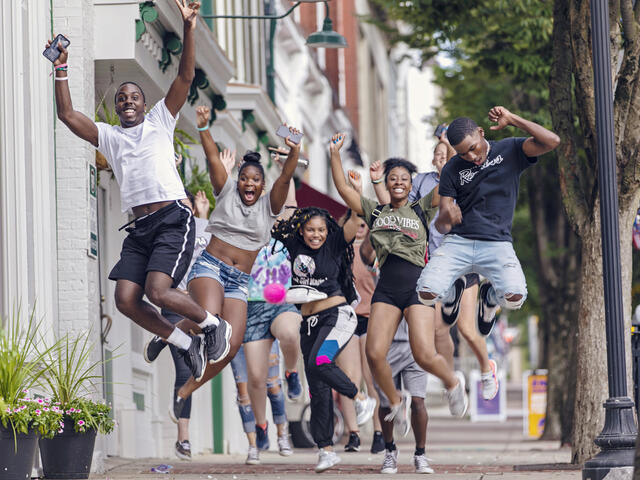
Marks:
<point>284,447</point>
<point>490,383</point>
<point>457,396</point>
<point>326,459</point>
<point>400,415</point>
<point>421,464</point>
<point>253,457</point>
<point>390,462</point>
<point>364,409</point>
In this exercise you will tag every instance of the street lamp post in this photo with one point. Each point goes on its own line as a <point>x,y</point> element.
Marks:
<point>326,38</point>
<point>618,436</point>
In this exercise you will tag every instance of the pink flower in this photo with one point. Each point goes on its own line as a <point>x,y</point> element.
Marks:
<point>40,401</point>
<point>8,410</point>
<point>80,423</point>
<point>46,409</point>
<point>61,424</point>
<point>60,431</point>
<point>23,407</point>
<point>37,412</point>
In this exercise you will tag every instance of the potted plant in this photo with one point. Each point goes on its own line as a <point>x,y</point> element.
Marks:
<point>22,419</point>
<point>70,376</point>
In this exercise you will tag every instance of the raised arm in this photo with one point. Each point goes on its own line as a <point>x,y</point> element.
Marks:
<point>348,194</point>
<point>541,140</point>
<point>78,123</point>
<point>449,215</point>
<point>281,186</point>
<point>376,174</point>
<point>350,227</point>
<point>217,172</point>
<point>367,252</point>
<point>177,94</point>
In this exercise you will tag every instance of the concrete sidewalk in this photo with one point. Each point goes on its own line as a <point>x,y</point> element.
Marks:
<point>456,449</point>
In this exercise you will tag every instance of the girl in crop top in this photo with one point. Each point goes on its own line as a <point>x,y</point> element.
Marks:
<point>240,226</point>
<point>321,254</point>
<point>399,236</point>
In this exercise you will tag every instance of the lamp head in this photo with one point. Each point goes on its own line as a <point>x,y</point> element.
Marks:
<point>326,38</point>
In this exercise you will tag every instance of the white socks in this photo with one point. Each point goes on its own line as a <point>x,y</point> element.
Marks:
<point>210,320</point>
<point>179,339</point>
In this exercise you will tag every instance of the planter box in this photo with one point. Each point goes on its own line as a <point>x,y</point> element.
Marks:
<point>16,464</point>
<point>68,454</point>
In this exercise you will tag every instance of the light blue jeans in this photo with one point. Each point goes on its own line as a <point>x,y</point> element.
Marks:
<point>458,256</point>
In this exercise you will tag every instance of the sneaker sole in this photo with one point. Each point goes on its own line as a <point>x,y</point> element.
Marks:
<point>226,350</point>
<point>389,470</point>
<point>252,462</point>
<point>182,456</point>
<point>352,449</point>
<point>494,368</point>
<point>144,352</point>
<point>318,470</point>
<point>203,357</point>
<point>287,453</point>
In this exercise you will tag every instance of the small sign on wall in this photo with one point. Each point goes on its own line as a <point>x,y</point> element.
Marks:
<point>535,402</point>
<point>482,410</point>
<point>92,251</point>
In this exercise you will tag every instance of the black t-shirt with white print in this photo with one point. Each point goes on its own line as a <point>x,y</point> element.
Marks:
<point>487,193</point>
<point>318,268</point>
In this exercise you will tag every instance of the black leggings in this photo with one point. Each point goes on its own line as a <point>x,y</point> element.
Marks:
<point>182,370</point>
<point>322,337</point>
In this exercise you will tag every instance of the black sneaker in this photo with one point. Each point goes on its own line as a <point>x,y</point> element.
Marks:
<point>450,311</point>
<point>183,450</point>
<point>486,311</point>
<point>195,358</point>
<point>377,445</point>
<point>262,437</point>
<point>176,409</point>
<point>153,348</point>
<point>353,445</point>
<point>216,340</point>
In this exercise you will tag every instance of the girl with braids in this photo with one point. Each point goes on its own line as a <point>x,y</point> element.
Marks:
<point>240,226</point>
<point>321,254</point>
<point>399,237</point>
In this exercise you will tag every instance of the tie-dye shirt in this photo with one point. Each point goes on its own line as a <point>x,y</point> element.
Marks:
<point>269,268</point>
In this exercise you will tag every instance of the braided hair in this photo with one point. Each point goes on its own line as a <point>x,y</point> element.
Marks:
<point>286,230</point>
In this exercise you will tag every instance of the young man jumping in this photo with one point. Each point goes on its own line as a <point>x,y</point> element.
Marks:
<point>156,253</point>
<point>478,193</point>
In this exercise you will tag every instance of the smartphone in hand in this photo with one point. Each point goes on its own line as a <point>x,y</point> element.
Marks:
<point>51,52</point>
<point>284,132</point>
<point>440,129</point>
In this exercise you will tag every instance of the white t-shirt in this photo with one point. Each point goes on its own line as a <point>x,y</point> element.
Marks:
<point>247,227</point>
<point>142,158</point>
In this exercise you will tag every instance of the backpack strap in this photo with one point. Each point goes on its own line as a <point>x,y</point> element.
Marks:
<point>420,212</point>
<point>376,213</point>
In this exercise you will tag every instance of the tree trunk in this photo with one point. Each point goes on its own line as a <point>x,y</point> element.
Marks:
<point>558,272</point>
<point>591,374</point>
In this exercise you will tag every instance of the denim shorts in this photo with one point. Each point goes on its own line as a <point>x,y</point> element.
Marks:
<point>260,316</point>
<point>234,281</point>
<point>458,256</point>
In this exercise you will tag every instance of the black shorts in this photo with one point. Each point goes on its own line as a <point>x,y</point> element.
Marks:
<point>397,283</point>
<point>472,279</point>
<point>160,242</point>
<point>361,329</point>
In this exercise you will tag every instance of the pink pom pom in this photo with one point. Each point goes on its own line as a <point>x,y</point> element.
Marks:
<point>274,293</point>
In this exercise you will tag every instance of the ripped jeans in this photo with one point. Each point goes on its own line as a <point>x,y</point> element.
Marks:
<point>458,256</point>
<point>239,367</point>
